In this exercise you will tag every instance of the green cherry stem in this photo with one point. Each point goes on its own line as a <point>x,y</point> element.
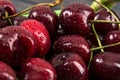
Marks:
<point>103,21</point>
<point>91,57</point>
<point>6,15</point>
<point>97,37</point>
<point>106,46</point>
<point>108,3</point>
<point>111,12</point>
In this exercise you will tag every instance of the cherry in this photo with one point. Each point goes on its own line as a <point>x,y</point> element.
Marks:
<point>69,66</point>
<point>16,44</point>
<point>104,28</point>
<point>111,38</point>
<point>47,16</point>
<point>105,66</point>
<point>8,6</point>
<point>40,34</point>
<point>73,43</point>
<point>38,69</point>
<point>6,72</point>
<point>74,18</point>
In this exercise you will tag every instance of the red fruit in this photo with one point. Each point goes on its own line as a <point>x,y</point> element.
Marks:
<point>16,44</point>
<point>74,18</point>
<point>106,66</point>
<point>75,44</point>
<point>40,33</point>
<point>38,69</point>
<point>6,72</point>
<point>8,6</point>
<point>104,28</point>
<point>111,38</point>
<point>70,66</point>
<point>47,16</point>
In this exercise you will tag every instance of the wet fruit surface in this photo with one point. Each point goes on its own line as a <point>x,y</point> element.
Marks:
<point>6,72</point>
<point>47,16</point>
<point>74,18</point>
<point>69,66</point>
<point>111,38</point>
<point>38,69</point>
<point>73,43</point>
<point>104,28</point>
<point>106,66</point>
<point>16,44</point>
<point>40,34</point>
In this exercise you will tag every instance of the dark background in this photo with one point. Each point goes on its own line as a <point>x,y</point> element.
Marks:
<point>22,4</point>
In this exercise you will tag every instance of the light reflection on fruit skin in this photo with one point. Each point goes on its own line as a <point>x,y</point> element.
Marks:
<point>47,16</point>
<point>73,43</point>
<point>74,18</point>
<point>38,69</point>
<point>12,47</point>
<point>107,65</point>
<point>81,70</point>
<point>111,38</point>
<point>69,66</point>
<point>40,34</point>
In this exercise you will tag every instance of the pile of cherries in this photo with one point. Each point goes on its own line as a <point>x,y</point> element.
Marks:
<point>79,44</point>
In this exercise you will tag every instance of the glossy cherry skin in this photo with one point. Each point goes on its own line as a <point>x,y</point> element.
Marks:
<point>38,69</point>
<point>8,6</point>
<point>111,38</point>
<point>6,72</point>
<point>41,35</point>
<point>106,66</point>
<point>16,44</point>
<point>69,66</point>
<point>74,18</point>
<point>47,16</point>
<point>73,43</point>
<point>104,28</point>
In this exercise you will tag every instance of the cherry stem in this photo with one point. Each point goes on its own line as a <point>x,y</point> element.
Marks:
<point>108,3</point>
<point>103,21</point>
<point>56,2</point>
<point>97,37</point>
<point>91,57</point>
<point>111,12</point>
<point>106,46</point>
<point>6,15</point>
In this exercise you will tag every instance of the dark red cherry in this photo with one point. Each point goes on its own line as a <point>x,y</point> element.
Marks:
<point>73,43</point>
<point>6,72</point>
<point>47,16</point>
<point>8,6</point>
<point>106,66</point>
<point>104,28</point>
<point>111,38</point>
<point>38,69</point>
<point>74,18</point>
<point>69,66</point>
<point>16,44</point>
